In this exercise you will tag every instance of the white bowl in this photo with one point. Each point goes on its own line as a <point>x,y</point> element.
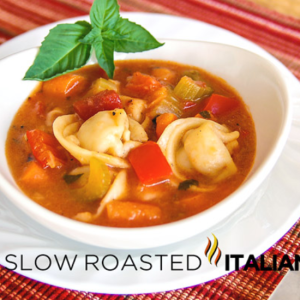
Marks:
<point>256,79</point>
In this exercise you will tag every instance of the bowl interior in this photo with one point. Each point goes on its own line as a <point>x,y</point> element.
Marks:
<point>255,79</point>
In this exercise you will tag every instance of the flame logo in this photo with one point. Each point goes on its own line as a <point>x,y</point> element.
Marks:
<point>212,250</point>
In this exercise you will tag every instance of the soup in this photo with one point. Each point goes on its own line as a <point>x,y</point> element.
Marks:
<point>159,143</point>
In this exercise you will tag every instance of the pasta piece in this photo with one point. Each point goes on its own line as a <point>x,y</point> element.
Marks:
<point>207,153</point>
<point>107,132</point>
<point>84,171</point>
<point>65,129</point>
<point>198,145</point>
<point>52,115</point>
<point>116,191</point>
<point>137,132</point>
<point>231,146</point>
<point>84,217</point>
<point>170,141</point>
<point>147,124</point>
<point>106,136</point>
<point>134,107</point>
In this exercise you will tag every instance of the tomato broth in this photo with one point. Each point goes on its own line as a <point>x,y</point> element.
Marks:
<point>158,188</point>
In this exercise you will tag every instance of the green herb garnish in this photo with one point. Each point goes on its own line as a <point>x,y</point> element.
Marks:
<point>185,185</point>
<point>68,47</point>
<point>71,178</point>
<point>205,114</point>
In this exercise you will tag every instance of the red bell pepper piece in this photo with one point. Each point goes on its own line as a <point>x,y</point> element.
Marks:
<point>149,163</point>
<point>104,100</point>
<point>219,105</point>
<point>46,149</point>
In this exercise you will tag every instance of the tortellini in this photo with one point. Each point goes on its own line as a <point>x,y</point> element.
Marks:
<point>106,136</point>
<point>197,145</point>
<point>135,108</point>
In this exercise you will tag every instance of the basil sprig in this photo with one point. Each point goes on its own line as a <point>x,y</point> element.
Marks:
<point>68,47</point>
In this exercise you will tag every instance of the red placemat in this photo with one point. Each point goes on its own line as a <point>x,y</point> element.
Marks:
<point>278,34</point>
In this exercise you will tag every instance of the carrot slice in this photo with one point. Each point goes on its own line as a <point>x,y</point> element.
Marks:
<point>163,121</point>
<point>33,173</point>
<point>65,86</point>
<point>132,211</point>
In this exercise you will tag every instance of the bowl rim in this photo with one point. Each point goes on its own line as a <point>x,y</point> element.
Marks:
<point>16,196</point>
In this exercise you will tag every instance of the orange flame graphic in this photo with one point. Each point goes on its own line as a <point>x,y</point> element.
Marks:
<point>212,250</point>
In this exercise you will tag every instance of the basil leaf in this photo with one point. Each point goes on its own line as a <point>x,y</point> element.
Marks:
<point>112,35</point>
<point>92,36</point>
<point>68,46</point>
<point>135,38</point>
<point>185,185</point>
<point>85,24</point>
<point>104,50</point>
<point>61,52</point>
<point>71,178</point>
<point>105,14</point>
<point>205,114</point>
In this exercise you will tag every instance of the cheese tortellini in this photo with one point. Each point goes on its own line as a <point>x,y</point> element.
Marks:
<point>197,145</point>
<point>107,135</point>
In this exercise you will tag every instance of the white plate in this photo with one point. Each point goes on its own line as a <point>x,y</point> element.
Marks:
<point>262,220</point>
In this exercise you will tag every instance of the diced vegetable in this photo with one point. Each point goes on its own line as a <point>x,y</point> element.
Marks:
<point>205,114</point>
<point>163,101</point>
<point>163,121</point>
<point>65,86</point>
<point>34,173</point>
<point>186,88</point>
<point>149,163</point>
<point>194,74</point>
<point>46,149</point>
<point>164,74</point>
<point>219,105</point>
<point>98,182</point>
<point>132,211</point>
<point>189,89</point>
<point>102,84</point>
<point>105,100</point>
<point>141,85</point>
<point>204,91</point>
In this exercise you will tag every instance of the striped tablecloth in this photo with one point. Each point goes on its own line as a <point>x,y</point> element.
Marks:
<point>277,33</point>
